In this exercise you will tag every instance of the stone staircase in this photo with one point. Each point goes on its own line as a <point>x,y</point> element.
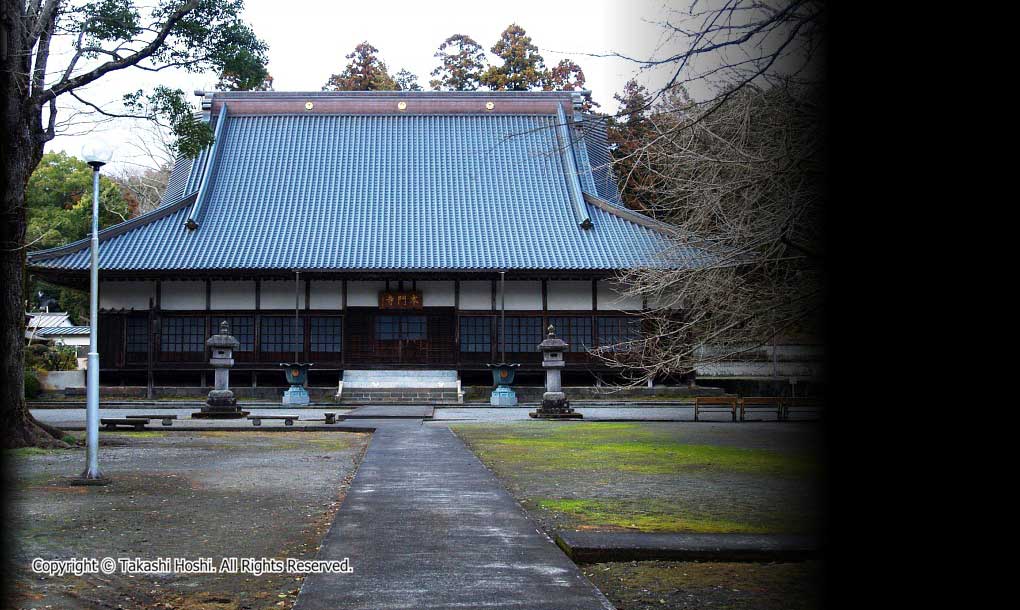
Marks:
<point>400,387</point>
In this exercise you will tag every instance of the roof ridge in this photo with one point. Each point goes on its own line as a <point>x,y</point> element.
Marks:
<point>629,215</point>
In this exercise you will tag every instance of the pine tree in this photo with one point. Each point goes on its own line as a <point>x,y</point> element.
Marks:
<point>461,64</point>
<point>523,68</point>
<point>364,72</point>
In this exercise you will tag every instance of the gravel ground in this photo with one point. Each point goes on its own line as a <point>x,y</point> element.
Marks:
<point>76,416</point>
<point>663,585</point>
<point>203,494</point>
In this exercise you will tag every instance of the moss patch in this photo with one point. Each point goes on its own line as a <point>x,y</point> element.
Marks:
<point>624,447</point>
<point>22,452</point>
<point>138,434</point>
<point>652,477</point>
<point>644,516</point>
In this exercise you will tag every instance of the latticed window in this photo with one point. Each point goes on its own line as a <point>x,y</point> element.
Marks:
<point>575,330</point>
<point>185,334</point>
<point>476,334</point>
<point>242,328</point>
<point>325,335</point>
<point>276,335</point>
<point>393,328</point>
<point>137,338</point>
<point>523,334</point>
<point>618,330</point>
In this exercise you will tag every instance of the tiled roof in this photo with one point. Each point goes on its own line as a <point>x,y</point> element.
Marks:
<point>369,190</point>
<point>43,319</point>
<point>62,331</point>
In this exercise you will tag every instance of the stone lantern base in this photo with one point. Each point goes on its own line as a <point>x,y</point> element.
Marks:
<point>555,406</point>
<point>221,404</point>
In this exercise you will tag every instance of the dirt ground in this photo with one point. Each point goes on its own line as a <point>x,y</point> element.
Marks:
<point>191,495</point>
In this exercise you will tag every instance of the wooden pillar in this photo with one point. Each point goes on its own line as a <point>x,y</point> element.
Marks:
<point>150,336</point>
<point>343,322</point>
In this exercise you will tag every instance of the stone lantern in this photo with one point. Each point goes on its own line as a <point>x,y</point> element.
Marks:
<point>554,402</point>
<point>221,403</point>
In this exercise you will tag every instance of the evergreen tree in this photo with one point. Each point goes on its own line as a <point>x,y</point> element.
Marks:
<point>364,72</point>
<point>407,81</point>
<point>568,76</point>
<point>628,132</point>
<point>52,50</point>
<point>564,76</point>
<point>461,64</point>
<point>523,68</point>
<point>231,81</point>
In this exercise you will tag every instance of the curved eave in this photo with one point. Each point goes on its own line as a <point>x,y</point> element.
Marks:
<point>118,229</point>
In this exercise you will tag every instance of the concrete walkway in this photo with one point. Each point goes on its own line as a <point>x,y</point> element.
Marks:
<point>425,525</point>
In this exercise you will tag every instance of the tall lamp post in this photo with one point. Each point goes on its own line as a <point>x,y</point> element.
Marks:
<point>97,154</point>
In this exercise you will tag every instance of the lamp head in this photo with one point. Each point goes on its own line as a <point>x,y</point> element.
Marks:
<point>96,153</point>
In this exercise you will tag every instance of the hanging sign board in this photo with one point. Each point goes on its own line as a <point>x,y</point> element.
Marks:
<point>393,299</point>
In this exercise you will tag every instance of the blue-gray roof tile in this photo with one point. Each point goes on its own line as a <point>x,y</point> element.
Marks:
<point>380,192</point>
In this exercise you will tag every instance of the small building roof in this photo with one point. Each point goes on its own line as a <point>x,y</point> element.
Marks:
<point>62,331</point>
<point>44,319</point>
<point>357,182</point>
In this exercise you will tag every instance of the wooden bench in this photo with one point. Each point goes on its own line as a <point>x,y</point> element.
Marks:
<point>113,423</point>
<point>288,420</point>
<point>167,419</point>
<point>803,403</point>
<point>715,404</point>
<point>762,403</point>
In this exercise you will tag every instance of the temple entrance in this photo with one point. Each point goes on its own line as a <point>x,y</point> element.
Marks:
<point>399,338</point>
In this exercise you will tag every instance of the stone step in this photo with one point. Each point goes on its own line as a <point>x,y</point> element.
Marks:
<point>400,379</point>
<point>400,387</point>
<point>399,396</point>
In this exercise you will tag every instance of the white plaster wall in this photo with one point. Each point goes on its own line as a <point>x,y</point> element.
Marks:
<point>476,295</point>
<point>126,295</point>
<point>326,294</point>
<point>178,295</point>
<point>611,299</point>
<point>279,294</point>
<point>59,380</point>
<point>436,293</point>
<point>232,295</point>
<point>569,294</point>
<point>522,295</point>
<point>364,294</point>
<point>75,341</point>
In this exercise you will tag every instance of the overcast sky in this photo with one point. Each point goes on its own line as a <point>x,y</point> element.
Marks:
<point>308,40</point>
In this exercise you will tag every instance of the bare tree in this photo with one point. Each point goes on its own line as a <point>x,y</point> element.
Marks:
<point>144,175</point>
<point>739,176</point>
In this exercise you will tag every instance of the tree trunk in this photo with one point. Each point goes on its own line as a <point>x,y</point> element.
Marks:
<point>21,148</point>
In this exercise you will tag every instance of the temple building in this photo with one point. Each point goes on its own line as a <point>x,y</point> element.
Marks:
<point>389,220</point>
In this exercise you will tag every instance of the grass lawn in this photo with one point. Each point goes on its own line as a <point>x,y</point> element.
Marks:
<point>657,477</point>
